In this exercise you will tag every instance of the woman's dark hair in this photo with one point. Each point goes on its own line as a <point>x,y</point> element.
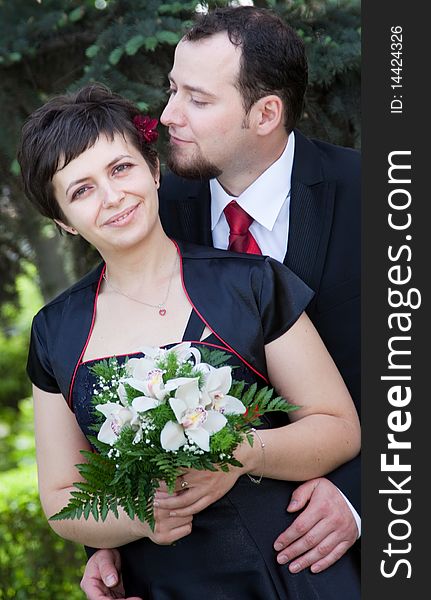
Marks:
<point>273,57</point>
<point>66,126</point>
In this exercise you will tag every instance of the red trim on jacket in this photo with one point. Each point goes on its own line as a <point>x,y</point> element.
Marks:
<point>209,326</point>
<point>90,331</point>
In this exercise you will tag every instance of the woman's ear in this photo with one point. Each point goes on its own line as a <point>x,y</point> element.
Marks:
<point>157,175</point>
<point>66,228</point>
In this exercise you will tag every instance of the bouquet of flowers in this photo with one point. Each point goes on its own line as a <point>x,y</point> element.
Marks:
<point>156,416</point>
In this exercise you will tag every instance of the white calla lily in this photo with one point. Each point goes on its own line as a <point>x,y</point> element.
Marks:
<point>215,392</point>
<point>193,419</point>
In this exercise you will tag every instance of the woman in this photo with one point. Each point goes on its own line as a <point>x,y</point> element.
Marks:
<point>88,164</point>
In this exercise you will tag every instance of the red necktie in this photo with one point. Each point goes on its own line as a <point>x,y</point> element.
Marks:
<point>240,238</point>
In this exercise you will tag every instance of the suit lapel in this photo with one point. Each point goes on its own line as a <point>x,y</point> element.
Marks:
<point>311,212</point>
<point>194,215</point>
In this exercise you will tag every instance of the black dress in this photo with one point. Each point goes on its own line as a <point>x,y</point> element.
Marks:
<point>247,302</point>
<point>229,555</point>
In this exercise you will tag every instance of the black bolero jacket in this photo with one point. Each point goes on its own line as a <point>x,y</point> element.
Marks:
<point>247,301</point>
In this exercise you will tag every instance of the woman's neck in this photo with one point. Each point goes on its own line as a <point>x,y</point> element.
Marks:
<point>149,262</point>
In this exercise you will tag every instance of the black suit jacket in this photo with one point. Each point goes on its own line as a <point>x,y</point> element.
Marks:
<point>323,249</point>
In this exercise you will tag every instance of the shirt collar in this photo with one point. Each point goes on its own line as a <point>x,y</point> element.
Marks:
<point>264,198</point>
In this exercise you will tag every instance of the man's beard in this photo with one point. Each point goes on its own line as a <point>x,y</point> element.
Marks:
<point>196,167</point>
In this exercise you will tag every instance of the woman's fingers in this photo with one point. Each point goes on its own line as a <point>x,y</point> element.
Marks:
<point>169,528</point>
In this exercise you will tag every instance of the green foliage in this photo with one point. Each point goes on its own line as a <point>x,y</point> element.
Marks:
<point>14,383</point>
<point>331,31</point>
<point>216,358</point>
<point>35,564</point>
<point>169,365</point>
<point>16,436</point>
<point>14,338</point>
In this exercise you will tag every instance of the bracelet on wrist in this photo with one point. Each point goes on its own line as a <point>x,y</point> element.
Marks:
<point>262,445</point>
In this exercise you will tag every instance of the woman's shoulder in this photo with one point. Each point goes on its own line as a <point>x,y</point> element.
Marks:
<point>88,283</point>
<point>197,258</point>
<point>194,252</point>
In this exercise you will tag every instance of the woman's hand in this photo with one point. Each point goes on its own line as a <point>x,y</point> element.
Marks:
<point>195,490</point>
<point>169,528</point>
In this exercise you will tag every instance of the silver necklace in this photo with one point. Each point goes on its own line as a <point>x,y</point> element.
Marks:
<point>161,307</point>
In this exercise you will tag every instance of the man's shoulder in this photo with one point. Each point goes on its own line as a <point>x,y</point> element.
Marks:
<point>334,161</point>
<point>173,186</point>
<point>339,156</point>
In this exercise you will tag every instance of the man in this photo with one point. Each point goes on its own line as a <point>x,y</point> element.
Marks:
<point>236,93</point>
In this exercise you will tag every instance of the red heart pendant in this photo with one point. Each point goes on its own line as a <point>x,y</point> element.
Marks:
<point>162,312</point>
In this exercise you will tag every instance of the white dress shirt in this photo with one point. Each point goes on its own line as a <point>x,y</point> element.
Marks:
<point>267,201</point>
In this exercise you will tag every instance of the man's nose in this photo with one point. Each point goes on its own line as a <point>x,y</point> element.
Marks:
<point>173,113</point>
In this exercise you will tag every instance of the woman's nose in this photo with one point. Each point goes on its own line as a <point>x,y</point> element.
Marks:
<point>112,195</point>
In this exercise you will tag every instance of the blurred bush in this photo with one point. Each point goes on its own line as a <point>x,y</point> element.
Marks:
<point>15,320</point>
<point>14,383</point>
<point>16,436</point>
<point>34,562</point>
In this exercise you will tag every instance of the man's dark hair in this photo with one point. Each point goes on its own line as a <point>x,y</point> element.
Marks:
<point>273,57</point>
<point>65,127</point>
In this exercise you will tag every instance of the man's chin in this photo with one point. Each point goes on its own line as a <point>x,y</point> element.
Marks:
<point>195,169</point>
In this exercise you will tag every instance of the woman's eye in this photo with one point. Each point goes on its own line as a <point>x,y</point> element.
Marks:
<point>171,91</point>
<point>80,192</point>
<point>121,168</point>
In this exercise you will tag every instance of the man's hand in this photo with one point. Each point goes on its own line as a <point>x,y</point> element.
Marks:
<point>102,577</point>
<point>322,533</point>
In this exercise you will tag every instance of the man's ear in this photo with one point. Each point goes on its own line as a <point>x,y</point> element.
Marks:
<point>66,228</point>
<point>269,114</point>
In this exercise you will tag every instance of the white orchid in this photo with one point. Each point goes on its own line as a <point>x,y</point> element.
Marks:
<point>151,386</point>
<point>183,351</point>
<point>146,377</point>
<point>215,391</point>
<point>117,417</point>
<point>194,422</point>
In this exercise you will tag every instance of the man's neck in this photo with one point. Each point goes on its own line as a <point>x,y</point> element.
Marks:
<point>235,182</point>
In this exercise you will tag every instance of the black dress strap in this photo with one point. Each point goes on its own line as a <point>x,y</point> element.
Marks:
<point>194,328</point>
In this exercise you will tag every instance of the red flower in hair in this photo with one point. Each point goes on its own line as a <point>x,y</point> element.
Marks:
<point>146,128</point>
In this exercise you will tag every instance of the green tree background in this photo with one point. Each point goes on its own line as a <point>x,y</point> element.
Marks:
<point>47,47</point>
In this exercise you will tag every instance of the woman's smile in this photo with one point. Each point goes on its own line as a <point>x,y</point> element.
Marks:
<point>123,218</point>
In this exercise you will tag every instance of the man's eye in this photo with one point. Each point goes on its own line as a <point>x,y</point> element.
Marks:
<point>171,91</point>
<point>199,103</point>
